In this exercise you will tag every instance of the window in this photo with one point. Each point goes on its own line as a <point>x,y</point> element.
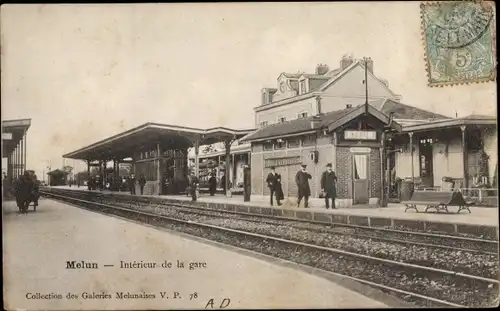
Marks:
<point>309,140</point>
<point>302,115</point>
<point>280,144</point>
<point>281,119</point>
<point>360,166</point>
<point>264,124</point>
<point>294,143</point>
<point>302,87</point>
<point>268,146</point>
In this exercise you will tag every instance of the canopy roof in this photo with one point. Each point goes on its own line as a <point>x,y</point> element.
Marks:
<point>148,135</point>
<point>12,133</point>
<point>475,120</point>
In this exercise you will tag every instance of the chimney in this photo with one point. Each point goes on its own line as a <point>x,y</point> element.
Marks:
<point>322,69</point>
<point>348,106</point>
<point>370,65</point>
<point>345,62</point>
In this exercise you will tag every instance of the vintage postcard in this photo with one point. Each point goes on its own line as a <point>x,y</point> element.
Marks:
<point>249,155</point>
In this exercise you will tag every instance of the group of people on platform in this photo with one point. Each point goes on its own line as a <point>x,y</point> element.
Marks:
<point>26,190</point>
<point>328,186</point>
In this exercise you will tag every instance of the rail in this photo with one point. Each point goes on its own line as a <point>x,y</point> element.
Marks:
<point>339,254</point>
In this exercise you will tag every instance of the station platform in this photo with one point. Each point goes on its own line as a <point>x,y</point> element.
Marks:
<point>38,245</point>
<point>482,220</point>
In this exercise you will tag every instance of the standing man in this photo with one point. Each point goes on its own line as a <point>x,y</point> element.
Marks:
<point>328,187</point>
<point>195,182</point>
<point>302,180</point>
<point>273,181</point>
<point>142,182</point>
<point>212,184</point>
<point>131,181</point>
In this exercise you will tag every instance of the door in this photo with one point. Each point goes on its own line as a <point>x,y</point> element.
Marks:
<point>426,174</point>
<point>360,178</point>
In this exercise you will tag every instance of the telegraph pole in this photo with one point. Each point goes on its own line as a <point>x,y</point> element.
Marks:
<point>366,59</point>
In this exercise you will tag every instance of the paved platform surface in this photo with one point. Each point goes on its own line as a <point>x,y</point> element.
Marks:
<point>485,216</point>
<point>37,246</point>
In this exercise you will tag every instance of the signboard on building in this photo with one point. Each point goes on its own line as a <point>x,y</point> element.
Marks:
<point>6,136</point>
<point>360,135</point>
<point>359,150</point>
<point>282,161</point>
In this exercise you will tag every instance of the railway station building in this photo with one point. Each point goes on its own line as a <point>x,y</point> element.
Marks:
<point>157,151</point>
<point>14,140</point>
<point>321,118</point>
<point>345,116</point>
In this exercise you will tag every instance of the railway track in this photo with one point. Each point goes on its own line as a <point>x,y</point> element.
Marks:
<point>424,239</point>
<point>407,281</point>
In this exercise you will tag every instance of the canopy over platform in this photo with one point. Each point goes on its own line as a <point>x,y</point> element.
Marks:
<point>13,132</point>
<point>148,135</point>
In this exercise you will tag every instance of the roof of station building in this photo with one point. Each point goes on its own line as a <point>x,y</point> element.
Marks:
<point>12,133</point>
<point>330,121</point>
<point>147,135</point>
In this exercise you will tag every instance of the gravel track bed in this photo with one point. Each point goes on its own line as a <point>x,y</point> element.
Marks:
<point>146,200</point>
<point>464,292</point>
<point>465,262</point>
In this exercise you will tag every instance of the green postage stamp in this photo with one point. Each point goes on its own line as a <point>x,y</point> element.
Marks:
<point>459,41</point>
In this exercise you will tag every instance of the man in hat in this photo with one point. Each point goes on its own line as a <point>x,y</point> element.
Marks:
<point>302,179</point>
<point>273,181</point>
<point>328,180</point>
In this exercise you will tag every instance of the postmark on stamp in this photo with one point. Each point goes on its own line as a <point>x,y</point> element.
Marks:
<point>459,41</point>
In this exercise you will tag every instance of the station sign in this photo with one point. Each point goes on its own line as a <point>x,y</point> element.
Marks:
<point>6,136</point>
<point>282,161</point>
<point>360,135</point>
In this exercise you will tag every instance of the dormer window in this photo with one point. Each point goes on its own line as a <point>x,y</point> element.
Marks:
<point>302,87</point>
<point>264,124</point>
<point>302,115</point>
<point>281,119</point>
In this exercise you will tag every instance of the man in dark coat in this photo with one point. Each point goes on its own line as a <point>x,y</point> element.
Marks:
<point>195,182</point>
<point>131,184</point>
<point>142,182</point>
<point>302,180</point>
<point>273,181</point>
<point>223,183</point>
<point>212,184</point>
<point>328,187</point>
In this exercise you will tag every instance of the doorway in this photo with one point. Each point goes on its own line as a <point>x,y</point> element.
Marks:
<point>360,179</point>
<point>425,159</point>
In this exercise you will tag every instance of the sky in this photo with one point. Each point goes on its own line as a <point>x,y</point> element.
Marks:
<point>85,72</point>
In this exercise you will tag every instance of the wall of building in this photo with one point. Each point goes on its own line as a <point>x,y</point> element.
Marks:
<point>403,161</point>
<point>491,149</point>
<point>351,85</point>
<point>259,173</point>
<point>289,111</point>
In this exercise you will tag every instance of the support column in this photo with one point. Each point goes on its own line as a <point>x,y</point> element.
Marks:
<point>158,177</point>
<point>9,169</point>
<point>411,152</point>
<point>15,163</point>
<point>383,154</point>
<point>25,148</point>
<point>465,155</point>
<point>22,155</point>
<point>227,145</point>
<point>88,170</point>
<point>233,171</point>
<point>196,158</point>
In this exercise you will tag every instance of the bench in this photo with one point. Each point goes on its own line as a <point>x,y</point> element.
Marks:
<point>437,200</point>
